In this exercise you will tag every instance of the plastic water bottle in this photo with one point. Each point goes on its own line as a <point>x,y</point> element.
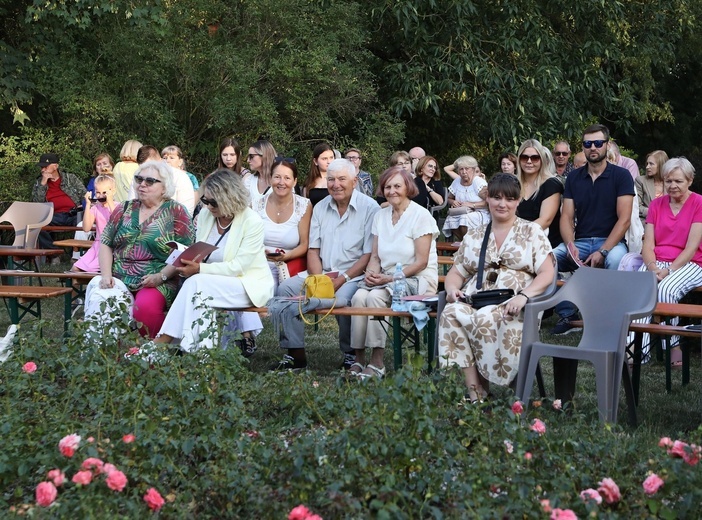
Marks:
<point>399,288</point>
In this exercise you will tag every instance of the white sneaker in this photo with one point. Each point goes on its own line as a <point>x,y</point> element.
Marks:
<point>6,343</point>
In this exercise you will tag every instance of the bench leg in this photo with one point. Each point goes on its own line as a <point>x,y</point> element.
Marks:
<point>431,332</point>
<point>14,311</point>
<point>67,304</point>
<point>397,342</point>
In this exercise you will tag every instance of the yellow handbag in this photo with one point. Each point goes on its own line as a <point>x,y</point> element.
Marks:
<point>317,286</point>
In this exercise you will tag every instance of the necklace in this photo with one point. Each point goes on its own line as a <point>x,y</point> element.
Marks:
<point>280,210</point>
<point>224,227</point>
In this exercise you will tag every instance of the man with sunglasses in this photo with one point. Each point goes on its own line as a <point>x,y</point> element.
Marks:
<point>596,214</point>
<point>561,154</point>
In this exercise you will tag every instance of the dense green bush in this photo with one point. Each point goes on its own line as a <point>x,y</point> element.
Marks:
<point>215,439</point>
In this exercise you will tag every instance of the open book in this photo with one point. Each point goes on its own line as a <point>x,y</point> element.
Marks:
<point>183,252</point>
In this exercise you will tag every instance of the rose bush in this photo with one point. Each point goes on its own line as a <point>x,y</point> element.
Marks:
<point>207,437</point>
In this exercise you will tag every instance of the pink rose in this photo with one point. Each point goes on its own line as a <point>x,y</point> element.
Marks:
<point>29,367</point>
<point>563,514</point>
<point>129,438</point>
<point>108,468</point>
<point>517,408</point>
<point>609,491</point>
<point>93,464</point>
<point>299,513</point>
<point>538,426</point>
<point>528,455</point>
<point>69,444</point>
<point>678,449</point>
<point>83,477</point>
<point>692,454</point>
<point>665,442</point>
<point>56,476</point>
<point>90,439</point>
<point>591,494</point>
<point>314,517</point>
<point>652,484</point>
<point>133,351</point>
<point>557,404</point>
<point>546,505</point>
<point>46,494</point>
<point>153,499</point>
<point>116,480</point>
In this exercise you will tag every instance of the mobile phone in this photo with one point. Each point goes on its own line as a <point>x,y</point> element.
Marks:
<point>275,254</point>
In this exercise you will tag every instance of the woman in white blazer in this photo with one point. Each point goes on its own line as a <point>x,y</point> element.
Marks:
<point>235,275</point>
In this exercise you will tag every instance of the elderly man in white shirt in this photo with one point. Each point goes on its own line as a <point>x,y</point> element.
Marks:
<point>340,241</point>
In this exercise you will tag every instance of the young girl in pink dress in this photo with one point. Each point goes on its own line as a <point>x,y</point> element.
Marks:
<point>97,214</point>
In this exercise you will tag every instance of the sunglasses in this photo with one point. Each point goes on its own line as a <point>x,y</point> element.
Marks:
<point>209,202</point>
<point>252,155</point>
<point>150,181</point>
<point>534,158</point>
<point>279,159</point>
<point>598,143</point>
<point>561,154</point>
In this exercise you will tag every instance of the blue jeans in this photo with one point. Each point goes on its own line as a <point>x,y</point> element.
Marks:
<point>585,246</point>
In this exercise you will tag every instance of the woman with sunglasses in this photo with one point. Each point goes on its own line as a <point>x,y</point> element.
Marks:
<point>467,209</point>
<point>485,343</point>
<point>260,158</point>
<point>316,184</point>
<point>541,191</point>
<point>286,221</point>
<point>133,252</point>
<point>233,275</point>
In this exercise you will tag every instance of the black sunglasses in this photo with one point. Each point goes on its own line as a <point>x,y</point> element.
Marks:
<point>534,158</point>
<point>561,154</point>
<point>138,179</point>
<point>279,159</point>
<point>209,202</point>
<point>252,155</point>
<point>598,143</point>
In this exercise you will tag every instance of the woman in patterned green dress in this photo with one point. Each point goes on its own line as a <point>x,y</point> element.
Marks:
<point>133,251</point>
<point>486,342</point>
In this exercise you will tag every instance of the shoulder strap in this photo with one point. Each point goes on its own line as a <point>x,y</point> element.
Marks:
<point>481,260</point>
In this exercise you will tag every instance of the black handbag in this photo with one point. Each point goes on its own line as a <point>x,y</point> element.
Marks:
<point>481,299</point>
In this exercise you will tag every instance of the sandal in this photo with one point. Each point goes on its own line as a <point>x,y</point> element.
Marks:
<point>375,372</point>
<point>355,365</point>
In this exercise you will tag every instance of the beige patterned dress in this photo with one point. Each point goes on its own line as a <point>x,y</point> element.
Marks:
<point>485,337</point>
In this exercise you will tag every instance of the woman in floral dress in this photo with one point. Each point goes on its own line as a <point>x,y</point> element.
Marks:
<point>486,342</point>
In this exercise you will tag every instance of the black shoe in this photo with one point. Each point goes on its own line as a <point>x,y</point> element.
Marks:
<point>247,345</point>
<point>349,360</point>
<point>288,364</point>
<point>564,326</point>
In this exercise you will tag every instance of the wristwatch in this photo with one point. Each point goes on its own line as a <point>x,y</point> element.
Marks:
<point>604,252</point>
<point>348,278</point>
<point>164,278</point>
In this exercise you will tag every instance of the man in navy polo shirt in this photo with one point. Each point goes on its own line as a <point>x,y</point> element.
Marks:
<point>595,216</point>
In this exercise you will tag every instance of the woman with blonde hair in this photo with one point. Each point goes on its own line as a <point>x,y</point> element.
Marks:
<point>261,157</point>
<point>540,197</point>
<point>124,170</point>
<point>650,186</point>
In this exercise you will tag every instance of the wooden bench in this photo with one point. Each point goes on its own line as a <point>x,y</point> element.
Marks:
<point>9,277</point>
<point>392,318</point>
<point>18,295</point>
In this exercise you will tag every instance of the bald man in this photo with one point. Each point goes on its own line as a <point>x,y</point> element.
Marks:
<point>415,154</point>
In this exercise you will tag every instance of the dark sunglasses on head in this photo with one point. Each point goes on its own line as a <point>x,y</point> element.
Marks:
<point>138,179</point>
<point>561,154</point>
<point>534,158</point>
<point>598,143</point>
<point>209,202</point>
<point>279,159</point>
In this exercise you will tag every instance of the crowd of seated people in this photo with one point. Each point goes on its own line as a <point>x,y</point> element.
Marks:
<point>555,214</point>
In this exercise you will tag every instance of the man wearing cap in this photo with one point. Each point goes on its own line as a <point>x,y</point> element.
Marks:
<point>62,189</point>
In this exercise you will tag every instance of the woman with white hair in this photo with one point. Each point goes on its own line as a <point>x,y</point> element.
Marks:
<point>673,234</point>
<point>467,209</point>
<point>540,199</point>
<point>133,252</point>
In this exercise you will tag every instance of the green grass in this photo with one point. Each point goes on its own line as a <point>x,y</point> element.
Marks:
<point>659,412</point>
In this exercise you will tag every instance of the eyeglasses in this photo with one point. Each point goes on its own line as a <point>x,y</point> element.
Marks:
<point>209,202</point>
<point>138,179</point>
<point>353,157</point>
<point>561,154</point>
<point>598,143</point>
<point>533,158</point>
<point>252,155</point>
